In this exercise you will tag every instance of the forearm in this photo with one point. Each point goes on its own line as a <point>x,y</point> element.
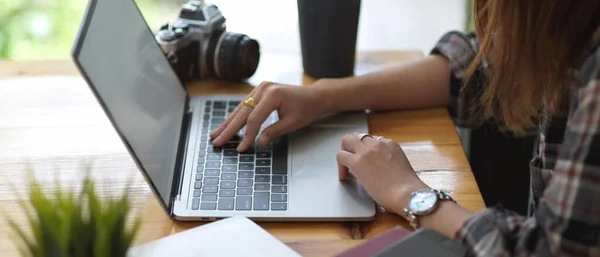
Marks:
<point>418,84</point>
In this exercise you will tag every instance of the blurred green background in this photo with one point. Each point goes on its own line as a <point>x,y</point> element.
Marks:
<point>45,29</point>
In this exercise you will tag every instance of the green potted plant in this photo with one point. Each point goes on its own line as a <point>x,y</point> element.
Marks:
<point>69,224</point>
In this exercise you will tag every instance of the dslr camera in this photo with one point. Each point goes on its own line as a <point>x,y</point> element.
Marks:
<point>198,47</point>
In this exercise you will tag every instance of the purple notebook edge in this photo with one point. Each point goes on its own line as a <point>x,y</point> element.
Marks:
<point>376,244</point>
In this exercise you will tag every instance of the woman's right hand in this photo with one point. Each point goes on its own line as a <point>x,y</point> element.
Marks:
<point>296,106</point>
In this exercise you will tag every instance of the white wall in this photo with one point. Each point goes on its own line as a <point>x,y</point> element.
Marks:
<point>384,24</point>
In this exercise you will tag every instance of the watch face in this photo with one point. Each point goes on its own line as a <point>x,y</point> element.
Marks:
<point>422,201</point>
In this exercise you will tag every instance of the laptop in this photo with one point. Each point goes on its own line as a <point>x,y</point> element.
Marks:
<point>166,132</point>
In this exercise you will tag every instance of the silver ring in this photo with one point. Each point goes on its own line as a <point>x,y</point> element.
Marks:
<point>379,137</point>
<point>363,135</point>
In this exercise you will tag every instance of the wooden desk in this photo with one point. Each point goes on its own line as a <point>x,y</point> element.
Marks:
<point>49,119</point>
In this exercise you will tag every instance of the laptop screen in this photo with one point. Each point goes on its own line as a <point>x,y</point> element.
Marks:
<point>135,84</point>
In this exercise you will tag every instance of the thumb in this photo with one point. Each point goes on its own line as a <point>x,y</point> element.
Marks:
<point>276,130</point>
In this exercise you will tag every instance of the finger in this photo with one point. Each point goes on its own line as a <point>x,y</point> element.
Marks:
<point>351,143</point>
<point>256,93</point>
<point>233,127</point>
<point>368,140</point>
<point>215,133</point>
<point>276,130</point>
<point>256,118</point>
<point>344,158</point>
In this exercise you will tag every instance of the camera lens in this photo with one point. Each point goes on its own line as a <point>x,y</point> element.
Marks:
<point>235,56</point>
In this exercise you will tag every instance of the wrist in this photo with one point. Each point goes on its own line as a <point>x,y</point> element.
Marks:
<point>335,92</point>
<point>403,195</point>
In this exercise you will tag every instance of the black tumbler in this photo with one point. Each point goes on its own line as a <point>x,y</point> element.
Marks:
<point>328,30</point>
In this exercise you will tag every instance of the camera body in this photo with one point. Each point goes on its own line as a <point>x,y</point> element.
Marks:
<point>198,46</point>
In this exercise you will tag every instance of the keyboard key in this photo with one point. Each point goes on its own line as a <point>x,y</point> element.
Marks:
<point>229,168</point>
<point>250,150</point>
<point>244,182</point>
<point>207,109</point>
<point>203,145</point>
<point>246,174</point>
<point>217,120</point>
<point>261,201</point>
<point>244,191</point>
<point>197,185</point>
<point>246,158</point>
<point>231,146</point>
<point>212,149</point>
<point>230,160</point>
<point>262,178</point>
<point>263,154</point>
<point>243,203</point>
<point>209,197</point>
<point>211,173</point>
<point>279,180</point>
<point>280,171</point>
<point>228,176</point>
<point>279,206</point>
<point>200,160</point>
<point>263,162</point>
<point>230,152</point>
<point>208,103</point>
<point>227,184</point>
<point>219,105</point>
<point>234,103</point>
<point>246,166</point>
<point>211,181</point>
<point>263,170</point>
<point>230,110</point>
<point>210,189</point>
<point>261,187</point>
<point>279,189</point>
<point>213,157</point>
<point>200,168</point>
<point>260,148</point>
<point>197,193</point>
<point>226,204</point>
<point>199,176</point>
<point>204,138</point>
<point>202,153</point>
<point>206,116</point>
<point>279,197</point>
<point>213,165</point>
<point>219,113</point>
<point>195,203</point>
<point>208,206</point>
<point>226,193</point>
<point>214,126</point>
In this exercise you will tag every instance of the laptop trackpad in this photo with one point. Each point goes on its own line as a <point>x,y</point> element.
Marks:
<point>314,151</point>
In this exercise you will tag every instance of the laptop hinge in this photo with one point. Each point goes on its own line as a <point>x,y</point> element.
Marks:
<point>181,156</point>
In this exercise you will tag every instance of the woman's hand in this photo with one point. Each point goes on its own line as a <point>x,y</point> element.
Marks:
<point>381,167</point>
<point>297,106</point>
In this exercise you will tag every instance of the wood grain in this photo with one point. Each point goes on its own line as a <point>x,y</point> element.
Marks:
<point>50,120</point>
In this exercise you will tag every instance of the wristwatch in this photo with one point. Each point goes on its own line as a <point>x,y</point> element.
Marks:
<point>422,203</point>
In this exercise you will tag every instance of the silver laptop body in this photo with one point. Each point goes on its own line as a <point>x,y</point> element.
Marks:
<point>166,133</point>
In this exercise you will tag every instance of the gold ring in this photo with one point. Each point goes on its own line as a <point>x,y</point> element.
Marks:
<point>250,102</point>
<point>363,135</point>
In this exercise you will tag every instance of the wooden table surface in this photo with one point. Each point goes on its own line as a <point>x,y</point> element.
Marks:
<point>50,120</point>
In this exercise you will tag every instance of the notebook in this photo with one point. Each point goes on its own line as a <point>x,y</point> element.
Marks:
<point>236,236</point>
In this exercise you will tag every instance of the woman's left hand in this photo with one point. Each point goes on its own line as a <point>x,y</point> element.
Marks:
<point>381,167</point>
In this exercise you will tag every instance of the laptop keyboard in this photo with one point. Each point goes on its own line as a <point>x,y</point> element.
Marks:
<point>227,180</point>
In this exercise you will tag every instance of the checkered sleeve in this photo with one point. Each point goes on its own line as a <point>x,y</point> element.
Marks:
<point>460,49</point>
<point>567,219</point>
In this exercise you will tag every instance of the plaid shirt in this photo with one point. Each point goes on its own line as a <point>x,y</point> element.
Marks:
<point>564,215</point>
